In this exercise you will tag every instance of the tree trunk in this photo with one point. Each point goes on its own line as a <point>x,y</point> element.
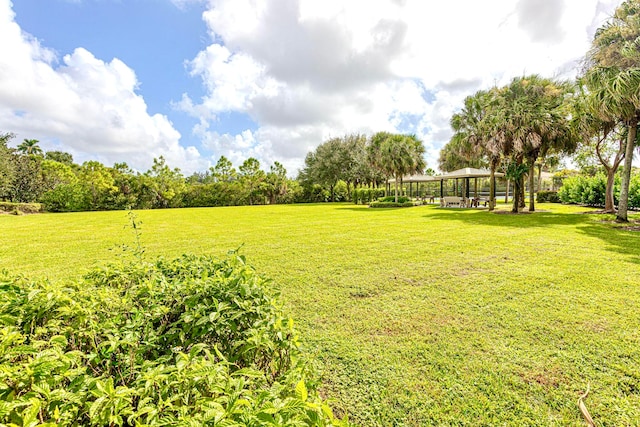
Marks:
<point>532,194</point>
<point>396,189</point>
<point>516,195</point>
<point>492,188</point>
<point>521,203</point>
<point>609,202</point>
<point>540,177</point>
<point>626,171</point>
<point>506,194</point>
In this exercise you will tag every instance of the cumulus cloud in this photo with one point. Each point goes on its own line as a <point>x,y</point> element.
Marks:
<point>541,19</point>
<point>305,70</point>
<point>80,103</point>
<point>302,70</point>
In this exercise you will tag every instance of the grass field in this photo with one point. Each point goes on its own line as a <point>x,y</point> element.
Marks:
<point>420,316</point>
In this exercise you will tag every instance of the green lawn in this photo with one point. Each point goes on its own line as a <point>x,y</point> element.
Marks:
<point>420,316</point>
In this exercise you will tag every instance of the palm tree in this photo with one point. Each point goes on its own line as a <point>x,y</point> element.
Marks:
<point>397,155</point>
<point>613,78</point>
<point>477,134</point>
<point>30,147</point>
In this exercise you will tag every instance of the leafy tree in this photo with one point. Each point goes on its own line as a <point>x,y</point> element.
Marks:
<point>98,185</point>
<point>167,185</point>
<point>603,140</point>
<point>59,156</point>
<point>26,183</point>
<point>30,147</point>
<point>613,79</point>
<point>324,166</point>
<point>124,179</point>
<point>63,192</point>
<point>276,183</point>
<point>251,178</point>
<point>356,170</point>
<point>223,171</point>
<point>6,165</point>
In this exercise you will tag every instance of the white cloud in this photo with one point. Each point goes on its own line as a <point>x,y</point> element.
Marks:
<point>303,70</point>
<point>306,70</point>
<point>82,104</point>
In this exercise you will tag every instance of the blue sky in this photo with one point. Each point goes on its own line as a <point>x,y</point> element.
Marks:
<point>192,80</point>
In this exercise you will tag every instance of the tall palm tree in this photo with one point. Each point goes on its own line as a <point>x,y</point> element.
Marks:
<point>397,155</point>
<point>477,135</point>
<point>613,77</point>
<point>30,147</point>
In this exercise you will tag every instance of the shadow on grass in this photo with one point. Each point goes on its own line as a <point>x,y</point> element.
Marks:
<point>368,209</point>
<point>506,219</point>
<point>617,240</point>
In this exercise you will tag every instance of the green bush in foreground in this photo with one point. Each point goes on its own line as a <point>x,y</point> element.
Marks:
<point>188,341</point>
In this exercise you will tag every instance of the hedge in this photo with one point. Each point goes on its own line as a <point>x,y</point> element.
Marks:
<point>589,190</point>
<point>20,207</point>
<point>391,205</point>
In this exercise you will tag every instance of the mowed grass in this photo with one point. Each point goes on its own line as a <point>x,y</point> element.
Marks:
<point>420,316</point>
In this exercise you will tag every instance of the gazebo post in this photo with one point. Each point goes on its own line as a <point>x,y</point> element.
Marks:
<point>441,188</point>
<point>466,187</point>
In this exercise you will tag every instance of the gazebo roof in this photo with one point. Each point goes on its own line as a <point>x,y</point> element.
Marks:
<point>460,173</point>
<point>470,173</point>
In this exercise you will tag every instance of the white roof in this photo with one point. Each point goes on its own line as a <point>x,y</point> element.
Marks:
<point>460,173</point>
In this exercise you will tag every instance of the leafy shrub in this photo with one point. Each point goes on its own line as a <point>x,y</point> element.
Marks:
<point>391,204</point>
<point>590,190</point>
<point>21,207</point>
<point>548,197</point>
<point>634,191</point>
<point>401,199</point>
<point>188,341</point>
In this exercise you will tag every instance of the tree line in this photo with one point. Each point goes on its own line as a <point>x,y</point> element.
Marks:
<point>332,171</point>
<point>358,161</point>
<point>27,174</point>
